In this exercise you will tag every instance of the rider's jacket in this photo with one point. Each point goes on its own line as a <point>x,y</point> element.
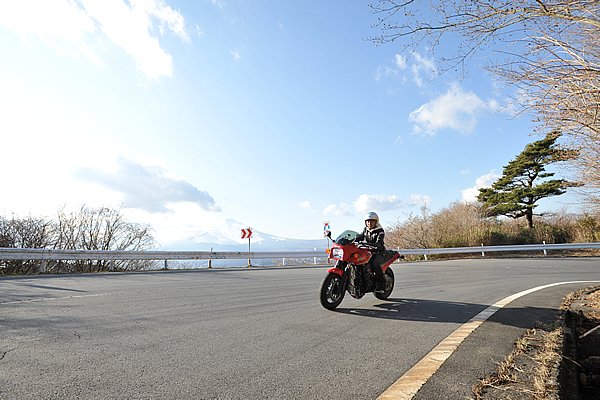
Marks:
<point>374,238</point>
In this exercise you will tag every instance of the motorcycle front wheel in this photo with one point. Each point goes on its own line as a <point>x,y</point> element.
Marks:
<point>389,285</point>
<point>332,291</point>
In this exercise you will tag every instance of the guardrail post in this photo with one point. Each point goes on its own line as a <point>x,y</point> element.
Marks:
<point>210,259</point>
<point>166,265</point>
<point>482,252</point>
<point>283,262</point>
<point>111,265</point>
<point>425,255</point>
<point>43,265</point>
<point>545,254</point>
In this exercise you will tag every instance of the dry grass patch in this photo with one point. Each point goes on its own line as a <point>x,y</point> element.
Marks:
<point>531,370</point>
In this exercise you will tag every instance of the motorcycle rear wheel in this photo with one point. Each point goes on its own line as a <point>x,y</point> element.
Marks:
<point>389,285</point>
<point>332,291</point>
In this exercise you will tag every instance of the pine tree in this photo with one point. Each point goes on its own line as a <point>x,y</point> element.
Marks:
<point>516,193</point>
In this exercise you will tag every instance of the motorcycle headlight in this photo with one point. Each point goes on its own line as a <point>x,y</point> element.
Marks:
<point>337,253</point>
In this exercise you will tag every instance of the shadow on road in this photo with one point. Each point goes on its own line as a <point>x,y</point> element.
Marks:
<point>55,288</point>
<point>451,312</point>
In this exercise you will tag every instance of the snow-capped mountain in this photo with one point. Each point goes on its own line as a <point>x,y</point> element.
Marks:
<point>227,237</point>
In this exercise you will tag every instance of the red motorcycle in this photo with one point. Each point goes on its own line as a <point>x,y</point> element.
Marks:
<point>353,272</point>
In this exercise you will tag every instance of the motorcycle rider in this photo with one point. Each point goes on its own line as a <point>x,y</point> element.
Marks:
<point>372,237</point>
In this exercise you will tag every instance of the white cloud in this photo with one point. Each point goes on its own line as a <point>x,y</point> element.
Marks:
<point>70,26</point>
<point>376,202</point>
<point>385,71</point>
<point>420,200</point>
<point>338,210</point>
<point>235,54</point>
<point>379,202</point>
<point>147,188</point>
<point>306,205</point>
<point>165,16</point>
<point>469,195</point>
<point>185,221</point>
<point>199,31</point>
<point>422,66</point>
<point>400,61</point>
<point>218,3</point>
<point>455,109</point>
<point>51,21</point>
<point>130,27</point>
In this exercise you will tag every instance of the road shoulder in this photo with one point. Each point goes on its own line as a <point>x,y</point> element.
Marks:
<point>480,353</point>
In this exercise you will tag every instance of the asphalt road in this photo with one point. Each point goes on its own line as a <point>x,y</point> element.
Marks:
<point>262,333</point>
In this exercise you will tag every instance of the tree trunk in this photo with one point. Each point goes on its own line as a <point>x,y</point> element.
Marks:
<point>529,215</point>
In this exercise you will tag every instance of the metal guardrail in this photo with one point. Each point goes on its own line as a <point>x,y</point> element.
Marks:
<point>109,255</point>
<point>509,248</point>
<point>50,254</point>
<point>47,254</point>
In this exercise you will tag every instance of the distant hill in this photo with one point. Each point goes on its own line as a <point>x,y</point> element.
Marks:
<point>228,238</point>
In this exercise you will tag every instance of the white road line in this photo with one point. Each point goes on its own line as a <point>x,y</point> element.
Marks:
<point>409,384</point>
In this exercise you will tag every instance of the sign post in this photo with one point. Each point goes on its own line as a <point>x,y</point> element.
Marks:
<point>327,233</point>
<point>247,233</point>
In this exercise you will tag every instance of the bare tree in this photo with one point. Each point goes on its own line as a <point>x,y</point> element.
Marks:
<point>549,49</point>
<point>415,232</point>
<point>100,229</point>
<point>29,232</point>
<point>86,229</point>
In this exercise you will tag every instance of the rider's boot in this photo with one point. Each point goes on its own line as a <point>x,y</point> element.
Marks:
<point>379,280</point>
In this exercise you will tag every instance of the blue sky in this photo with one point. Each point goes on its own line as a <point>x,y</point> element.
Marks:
<point>211,115</point>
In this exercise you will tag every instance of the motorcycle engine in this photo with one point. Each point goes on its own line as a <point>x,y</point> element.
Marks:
<point>361,280</point>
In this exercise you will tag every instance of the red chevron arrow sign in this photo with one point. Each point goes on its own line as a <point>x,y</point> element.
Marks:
<point>246,233</point>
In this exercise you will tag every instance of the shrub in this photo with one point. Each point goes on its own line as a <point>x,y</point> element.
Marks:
<point>463,225</point>
<point>86,229</point>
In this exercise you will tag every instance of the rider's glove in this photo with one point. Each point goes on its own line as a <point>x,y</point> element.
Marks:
<point>364,245</point>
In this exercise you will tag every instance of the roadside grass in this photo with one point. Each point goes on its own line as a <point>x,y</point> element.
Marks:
<point>530,371</point>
